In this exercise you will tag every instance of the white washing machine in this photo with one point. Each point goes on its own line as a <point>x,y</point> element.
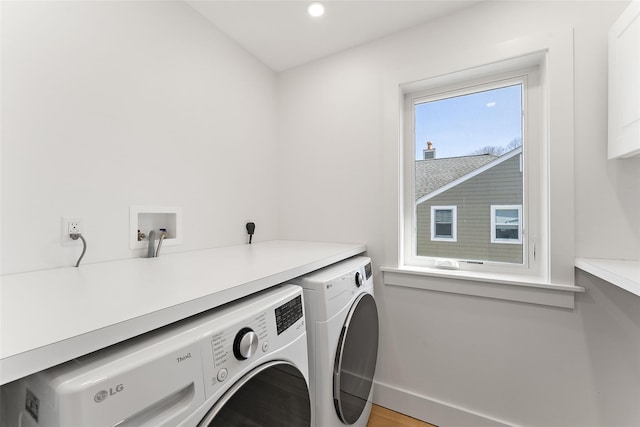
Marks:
<point>342,331</point>
<point>243,364</point>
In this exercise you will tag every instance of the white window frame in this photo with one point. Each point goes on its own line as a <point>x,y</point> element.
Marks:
<point>454,224</point>
<point>533,166</point>
<point>552,50</point>
<point>494,223</point>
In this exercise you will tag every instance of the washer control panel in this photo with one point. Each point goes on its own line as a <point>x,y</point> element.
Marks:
<point>368,271</point>
<point>245,344</point>
<point>244,334</point>
<point>240,343</point>
<point>288,314</point>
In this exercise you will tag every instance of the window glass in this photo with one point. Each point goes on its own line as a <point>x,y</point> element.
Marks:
<point>506,224</point>
<point>443,223</point>
<point>468,151</point>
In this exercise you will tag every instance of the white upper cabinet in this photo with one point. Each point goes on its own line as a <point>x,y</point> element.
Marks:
<point>624,84</point>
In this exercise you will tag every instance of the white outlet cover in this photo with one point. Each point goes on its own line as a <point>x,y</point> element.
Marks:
<point>64,233</point>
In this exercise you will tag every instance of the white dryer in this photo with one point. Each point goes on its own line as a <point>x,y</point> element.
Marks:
<point>342,331</point>
<point>244,364</point>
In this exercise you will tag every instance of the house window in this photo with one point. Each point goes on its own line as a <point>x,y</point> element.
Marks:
<point>443,223</point>
<point>544,62</point>
<point>506,224</point>
<point>472,172</point>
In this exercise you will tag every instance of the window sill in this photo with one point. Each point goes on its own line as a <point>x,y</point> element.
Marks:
<point>510,288</point>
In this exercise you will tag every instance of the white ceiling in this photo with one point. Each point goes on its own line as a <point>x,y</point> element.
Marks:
<point>283,35</point>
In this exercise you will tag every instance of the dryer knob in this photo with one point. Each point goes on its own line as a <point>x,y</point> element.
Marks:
<point>245,344</point>
<point>358,279</point>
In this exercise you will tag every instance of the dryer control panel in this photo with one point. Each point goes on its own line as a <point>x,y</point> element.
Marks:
<point>338,284</point>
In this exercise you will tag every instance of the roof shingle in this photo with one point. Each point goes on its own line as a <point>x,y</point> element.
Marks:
<point>435,173</point>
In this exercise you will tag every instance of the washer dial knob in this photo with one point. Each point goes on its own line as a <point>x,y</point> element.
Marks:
<point>358,279</point>
<point>245,344</point>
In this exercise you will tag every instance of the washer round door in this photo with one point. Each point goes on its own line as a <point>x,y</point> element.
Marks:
<point>356,359</point>
<point>272,395</point>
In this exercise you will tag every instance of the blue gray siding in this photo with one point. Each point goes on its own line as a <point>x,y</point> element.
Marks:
<point>500,185</point>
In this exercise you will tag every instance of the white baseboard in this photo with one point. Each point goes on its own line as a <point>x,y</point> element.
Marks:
<point>430,410</point>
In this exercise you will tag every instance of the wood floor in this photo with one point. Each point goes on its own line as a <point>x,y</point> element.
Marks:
<point>383,417</point>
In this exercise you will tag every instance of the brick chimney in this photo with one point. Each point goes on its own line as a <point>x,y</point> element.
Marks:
<point>429,152</point>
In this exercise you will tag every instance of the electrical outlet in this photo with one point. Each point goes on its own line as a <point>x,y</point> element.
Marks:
<point>71,226</point>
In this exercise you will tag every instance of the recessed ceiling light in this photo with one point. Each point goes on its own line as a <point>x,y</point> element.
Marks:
<point>316,9</point>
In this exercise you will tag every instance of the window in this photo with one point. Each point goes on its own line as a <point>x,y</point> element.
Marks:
<point>473,172</point>
<point>443,223</point>
<point>546,158</point>
<point>506,224</point>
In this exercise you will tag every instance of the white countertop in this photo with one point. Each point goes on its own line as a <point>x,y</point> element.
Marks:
<point>622,273</point>
<point>51,316</point>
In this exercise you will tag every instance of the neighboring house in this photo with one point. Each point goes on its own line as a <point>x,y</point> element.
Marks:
<point>470,207</point>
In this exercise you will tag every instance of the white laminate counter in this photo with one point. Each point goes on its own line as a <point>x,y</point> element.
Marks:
<point>621,273</point>
<point>51,316</point>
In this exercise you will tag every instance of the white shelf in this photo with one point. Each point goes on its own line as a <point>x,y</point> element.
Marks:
<point>621,273</point>
<point>51,316</point>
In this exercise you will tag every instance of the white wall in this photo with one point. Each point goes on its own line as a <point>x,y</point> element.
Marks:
<point>460,360</point>
<point>111,104</point>
<point>604,188</point>
<point>157,107</point>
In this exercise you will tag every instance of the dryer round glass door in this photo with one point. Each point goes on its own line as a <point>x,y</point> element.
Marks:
<point>272,395</point>
<point>356,359</point>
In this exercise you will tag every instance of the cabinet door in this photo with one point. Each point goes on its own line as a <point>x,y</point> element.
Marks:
<point>624,84</point>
